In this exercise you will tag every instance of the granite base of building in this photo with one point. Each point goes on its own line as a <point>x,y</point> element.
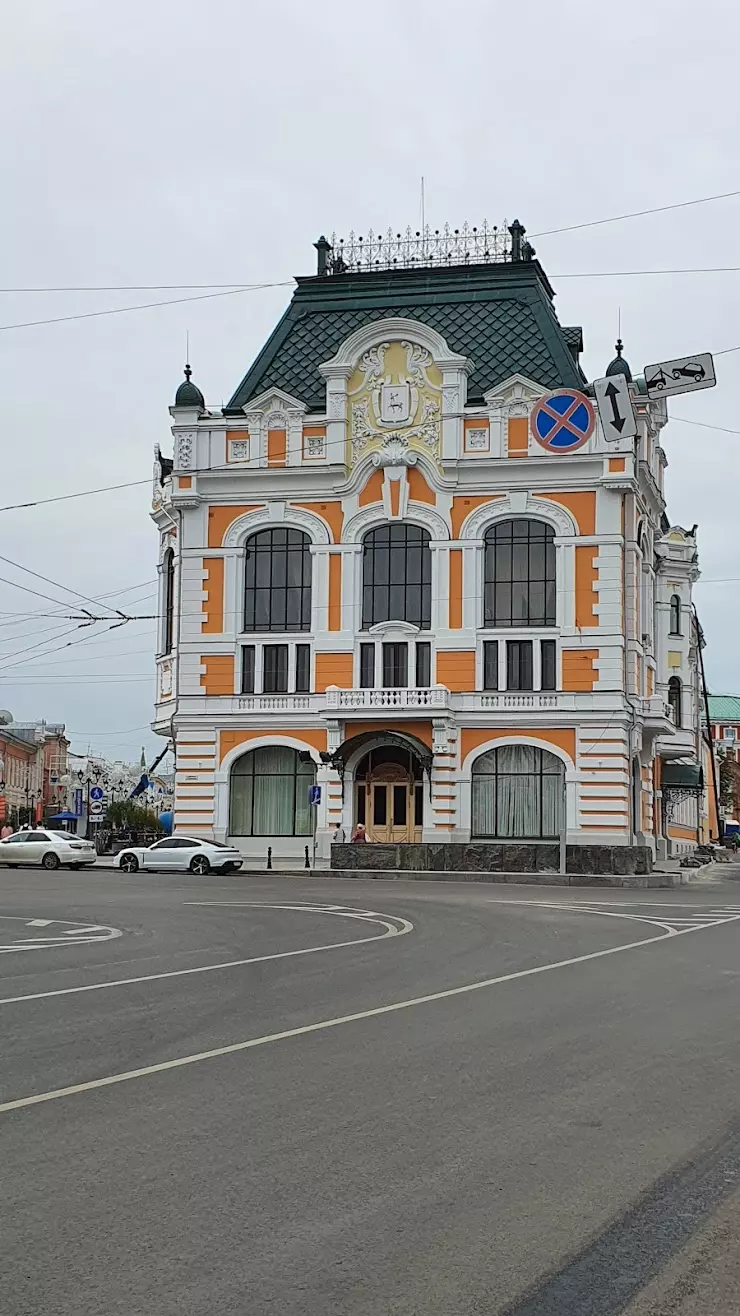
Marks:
<point>485,857</point>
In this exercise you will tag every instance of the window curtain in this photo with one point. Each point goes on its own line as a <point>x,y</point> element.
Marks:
<point>269,794</point>
<point>517,793</point>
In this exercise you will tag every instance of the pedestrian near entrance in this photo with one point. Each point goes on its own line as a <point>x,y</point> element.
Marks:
<point>359,834</point>
<point>337,836</point>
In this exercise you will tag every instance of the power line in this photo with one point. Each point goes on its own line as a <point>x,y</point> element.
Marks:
<point>723,429</point>
<point>238,285</point>
<point>55,583</point>
<point>83,493</point>
<point>635,214</point>
<point>25,589</point>
<point>143,306</point>
<point>125,732</point>
<point>627,274</point>
<point>235,285</point>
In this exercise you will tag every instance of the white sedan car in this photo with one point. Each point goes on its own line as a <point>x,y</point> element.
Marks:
<point>181,854</point>
<point>41,847</point>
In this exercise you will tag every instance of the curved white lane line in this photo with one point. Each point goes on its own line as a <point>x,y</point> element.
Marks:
<point>394,927</point>
<point>322,1025</point>
<point>584,909</point>
<point>74,934</point>
<point>588,908</point>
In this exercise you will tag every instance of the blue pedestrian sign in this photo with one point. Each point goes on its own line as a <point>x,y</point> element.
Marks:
<point>563,421</point>
<point>314,795</point>
<point>96,792</point>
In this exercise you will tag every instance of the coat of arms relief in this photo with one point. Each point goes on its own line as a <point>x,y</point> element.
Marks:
<point>395,400</point>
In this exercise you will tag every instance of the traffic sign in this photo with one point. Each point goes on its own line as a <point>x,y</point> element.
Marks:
<point>563,421</point>
<point>96,792</point>
<point>314,795</point>
<point>681,376</point>
<point>615,408</point>
<point>96,806</point>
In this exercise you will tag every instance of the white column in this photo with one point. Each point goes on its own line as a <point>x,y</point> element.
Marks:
<point>440,614</point>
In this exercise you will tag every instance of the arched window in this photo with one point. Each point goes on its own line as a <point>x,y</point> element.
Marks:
<point>168,600</point>
<point>278,581</point>
<point>519,574</point>
<point>269,793</point>
<point>517,793</point>
<point>674,699</point>
<point>675,615</point>
<point>397,576</point>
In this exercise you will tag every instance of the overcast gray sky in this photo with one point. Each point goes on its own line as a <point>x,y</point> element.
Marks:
<point>162,143</point>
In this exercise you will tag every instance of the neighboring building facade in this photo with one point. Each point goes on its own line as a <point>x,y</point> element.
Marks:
<point>53,745</point>
<point>21,778</point>
<point>382,574</point>
<point>724,714</point>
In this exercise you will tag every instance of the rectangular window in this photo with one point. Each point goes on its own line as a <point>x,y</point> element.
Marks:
<point>418,805</point>
<point>423,665</point>
<point>548,681</point>
<point>367,666</point>
<point>400,799</point>
<point>490,665</point>
<point>302,668</point>
<point>275,669</point>
<point>395,665</point>
<point>248,669</point>
<point>519,665</point>
<point>380,806</point>
<point>361,803</point>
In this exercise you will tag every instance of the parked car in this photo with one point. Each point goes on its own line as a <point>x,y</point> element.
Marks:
<point>182,854</point>
<point>41,847</point>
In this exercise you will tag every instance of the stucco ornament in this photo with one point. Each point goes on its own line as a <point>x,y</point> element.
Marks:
<point>395,393</point>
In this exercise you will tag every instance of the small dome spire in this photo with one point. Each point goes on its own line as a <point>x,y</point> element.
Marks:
<point>188,394</point>
<point>619,366</point>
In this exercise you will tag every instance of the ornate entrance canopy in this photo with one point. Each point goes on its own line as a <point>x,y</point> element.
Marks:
<point>401,739</point>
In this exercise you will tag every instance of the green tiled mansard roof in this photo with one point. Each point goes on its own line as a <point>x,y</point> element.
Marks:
<point>500,316</point>
<point>724,708</point>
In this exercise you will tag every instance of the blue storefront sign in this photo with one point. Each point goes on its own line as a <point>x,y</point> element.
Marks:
<point>78,802</point>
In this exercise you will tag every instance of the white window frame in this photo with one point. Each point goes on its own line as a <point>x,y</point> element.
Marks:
<point>258,642</point>
<point>534,633</point>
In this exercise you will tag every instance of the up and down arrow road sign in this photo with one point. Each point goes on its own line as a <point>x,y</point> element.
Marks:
<point>615,408</point>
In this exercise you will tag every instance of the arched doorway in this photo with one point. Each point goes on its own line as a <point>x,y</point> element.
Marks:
<point>389,795</point>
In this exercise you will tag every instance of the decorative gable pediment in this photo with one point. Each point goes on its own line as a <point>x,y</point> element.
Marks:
<point>515,396</point>
<point>274,409</point>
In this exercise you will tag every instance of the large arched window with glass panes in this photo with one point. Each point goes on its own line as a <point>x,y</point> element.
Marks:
<point>519,574</point>
<point>277,581</point>
<point>397,576</point>
<point>269,793</point>
<point>518,793</point>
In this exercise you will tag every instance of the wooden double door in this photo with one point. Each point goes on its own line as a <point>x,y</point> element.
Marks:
<point>390,803</point>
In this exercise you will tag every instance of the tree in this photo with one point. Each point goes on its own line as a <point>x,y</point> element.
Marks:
<point>729,782</point>
<point>131,816</point>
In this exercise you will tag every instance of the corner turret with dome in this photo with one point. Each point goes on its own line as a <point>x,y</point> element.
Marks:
<point>188,394</point>
<point>619,366</point>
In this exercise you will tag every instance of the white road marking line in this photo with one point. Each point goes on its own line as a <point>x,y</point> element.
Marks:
<point>588,907</point>
<point>394,927</point>
<point>70,934</point>
<point>324,1024</point>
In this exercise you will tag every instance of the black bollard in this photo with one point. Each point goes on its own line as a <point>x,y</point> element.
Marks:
<point>306,861</point>
<point>269,856</point>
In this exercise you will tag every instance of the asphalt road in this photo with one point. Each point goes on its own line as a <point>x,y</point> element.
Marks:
<point>300,1096</point>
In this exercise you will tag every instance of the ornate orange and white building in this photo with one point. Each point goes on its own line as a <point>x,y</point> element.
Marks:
<point>377,577</point>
